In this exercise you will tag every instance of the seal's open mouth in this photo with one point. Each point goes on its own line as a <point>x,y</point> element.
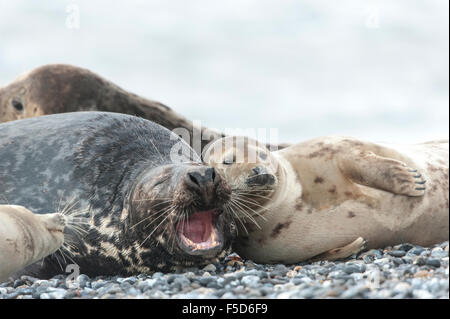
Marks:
<point>198,233</point>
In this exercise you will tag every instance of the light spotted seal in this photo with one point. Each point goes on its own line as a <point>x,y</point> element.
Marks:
<point>152,204</point>
<point>60,88</point>
<point>330,197</point>
<point>26,238</point>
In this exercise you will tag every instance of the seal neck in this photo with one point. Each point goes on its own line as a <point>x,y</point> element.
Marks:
<point>286,182</point>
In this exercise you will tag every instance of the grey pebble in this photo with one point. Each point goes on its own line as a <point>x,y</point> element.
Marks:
<point>210,268</point>
<point>352,268</point>
<point>397,253</point>
<point>439,253</point>
<point>433,262</point>
<point>417,250</point>
<point>250,281</point>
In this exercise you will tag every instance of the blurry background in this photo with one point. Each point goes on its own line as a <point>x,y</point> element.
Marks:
<point>375,70</point>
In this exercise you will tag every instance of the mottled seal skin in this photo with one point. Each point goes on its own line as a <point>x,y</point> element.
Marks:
<point>331,197</point>
<point>59,88</point>
<point>147,211</point>
<point>26,238</point>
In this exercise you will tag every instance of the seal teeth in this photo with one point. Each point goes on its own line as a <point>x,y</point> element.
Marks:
<point>198,232</point>
<point>210,243</point>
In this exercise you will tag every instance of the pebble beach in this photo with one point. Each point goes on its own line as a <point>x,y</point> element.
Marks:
<point>399,272</point>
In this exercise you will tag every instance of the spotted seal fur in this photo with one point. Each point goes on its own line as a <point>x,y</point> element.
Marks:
<point>330,197</point>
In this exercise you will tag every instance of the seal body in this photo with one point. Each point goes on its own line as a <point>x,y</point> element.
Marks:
<point>59,88</point>
<point>149,202</point>
<point>335,194</point>
<point>26,238</point>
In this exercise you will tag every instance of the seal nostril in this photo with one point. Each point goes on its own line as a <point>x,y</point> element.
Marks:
<point>210,174</point>
<point>256,170</point>
<point>193,179</point>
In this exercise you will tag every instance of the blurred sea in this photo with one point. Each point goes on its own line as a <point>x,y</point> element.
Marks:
<point>376,70</point>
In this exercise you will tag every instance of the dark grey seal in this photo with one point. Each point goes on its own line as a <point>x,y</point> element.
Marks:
<point>149,202</point>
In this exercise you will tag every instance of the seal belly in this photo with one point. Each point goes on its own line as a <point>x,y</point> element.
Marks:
<point>425,220</point>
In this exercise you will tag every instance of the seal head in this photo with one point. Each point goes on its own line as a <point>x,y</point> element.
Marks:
<point>178,209</point>
<point>249,168</point>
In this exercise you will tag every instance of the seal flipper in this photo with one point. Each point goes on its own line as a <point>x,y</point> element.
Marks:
<point>391,175</point>
<point>354,247</point>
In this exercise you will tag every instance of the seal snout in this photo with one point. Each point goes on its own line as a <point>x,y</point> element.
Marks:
<point>207,184</point>
<point>260,176</point>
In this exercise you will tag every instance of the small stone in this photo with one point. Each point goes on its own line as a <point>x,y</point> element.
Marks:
<point>25,291</point>
<point>291,274</point>
<point>82,280</point>
<point>97,284</point>
<point>402,287</point>
<point>234,263</point>
<point>433,263</point>
<point>228,295</point>
<point>407,259</point>
<point>306,293</point>
<point>18,282</point>
<point>353,292</point>
<point>397,253</point>
<point>297,268</point>
<point>398,261</point>
<point>421,274</point>
<point>381,261</point>
<point>374,253</point>
<point>301,280</point>
<point>250,265</point>
<point>404,247</point>
<point>422,294</point>
<point>130,280</point>
<point>182,281</point>
<point>417,250</point>
<point>72,294</point>
<point>333,293</point>
<point>206,280</point>
<point>384,293</point>
<point>233,256</point>
<point>279,270</point>
<point>352,268</point>
<point>210,268</point>
<point>250,281</point>
<point>420,261</point>
<point>439,253</point>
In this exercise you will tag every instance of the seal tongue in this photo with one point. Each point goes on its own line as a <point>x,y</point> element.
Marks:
<point>198,227</point>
